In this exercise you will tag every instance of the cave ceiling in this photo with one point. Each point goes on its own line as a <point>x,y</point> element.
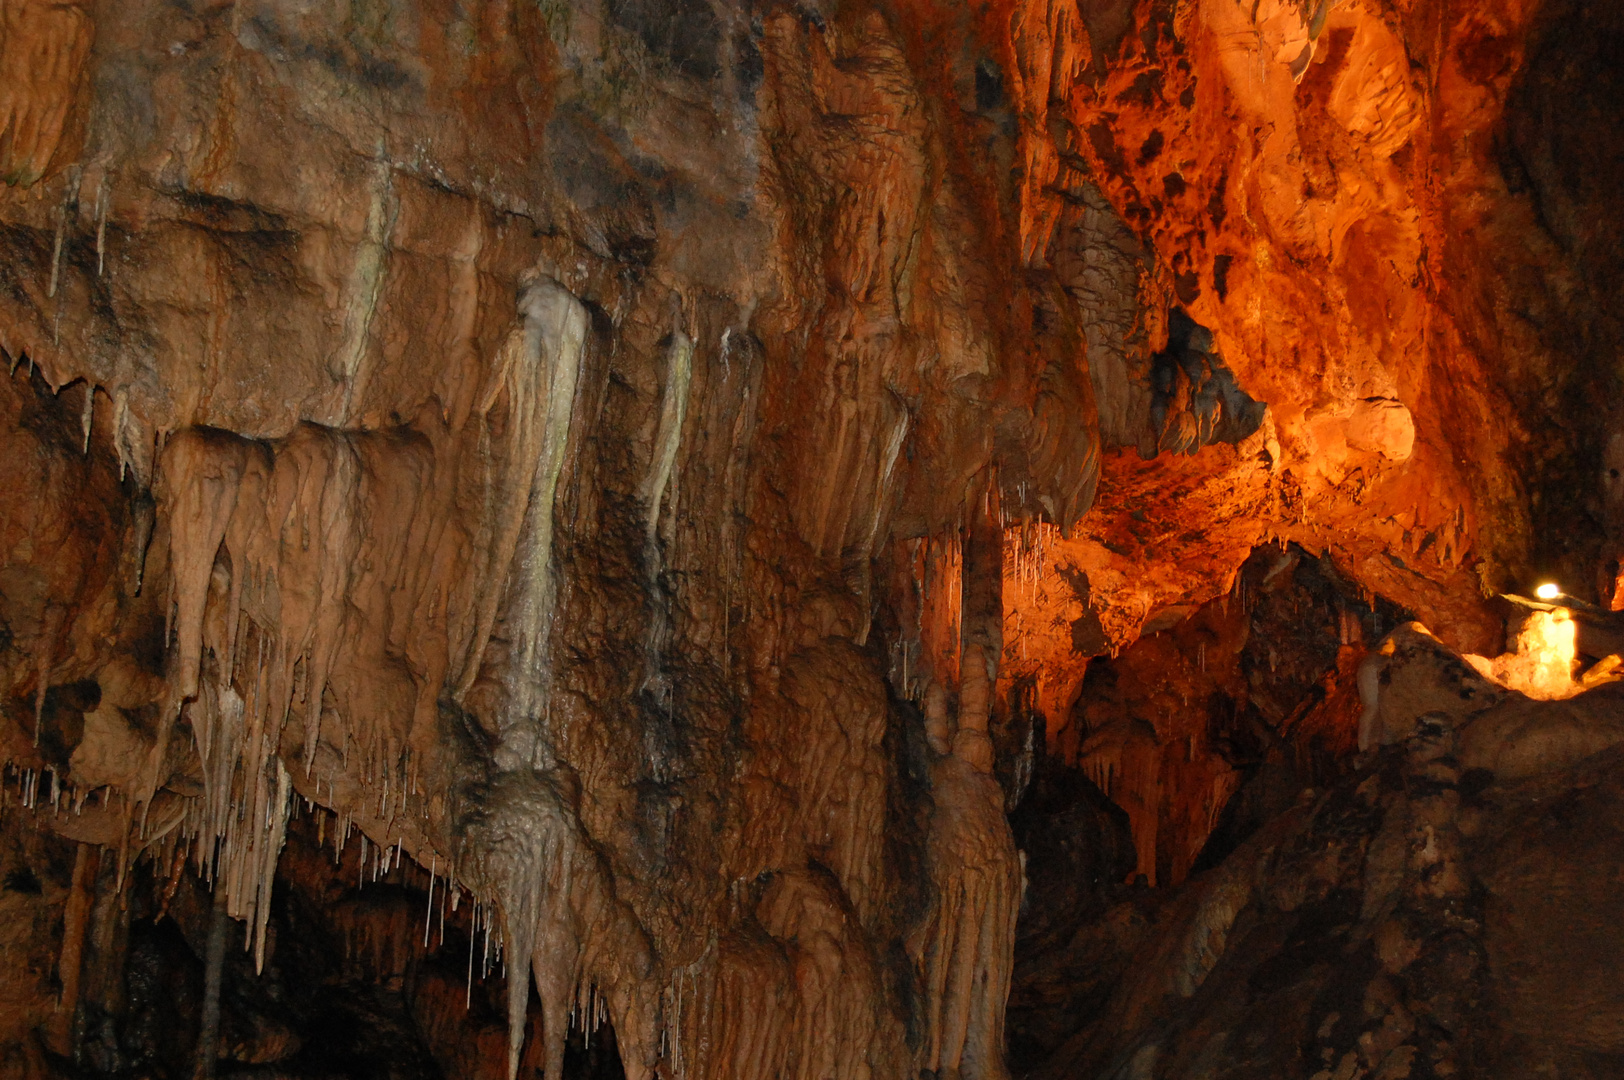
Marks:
<point>672,479</point>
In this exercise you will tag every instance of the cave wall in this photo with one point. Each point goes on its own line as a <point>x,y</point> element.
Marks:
<point>645,463</point>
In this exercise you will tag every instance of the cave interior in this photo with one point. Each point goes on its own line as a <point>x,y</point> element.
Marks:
<point>823,540</point>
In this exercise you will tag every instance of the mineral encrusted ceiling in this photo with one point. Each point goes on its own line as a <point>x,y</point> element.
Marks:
<point>675,473</point>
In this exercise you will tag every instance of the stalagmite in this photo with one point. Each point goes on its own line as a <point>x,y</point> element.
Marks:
<point>1369,681</point>
<point>208,1034</point>
<point>1543,657</point>
<point>75,923</point>
<point>963,949</point>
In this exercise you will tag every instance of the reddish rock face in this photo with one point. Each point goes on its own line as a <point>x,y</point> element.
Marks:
<point>679,478</point>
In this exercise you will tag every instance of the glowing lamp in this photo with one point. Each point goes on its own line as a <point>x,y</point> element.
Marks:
<point>1548,591</point>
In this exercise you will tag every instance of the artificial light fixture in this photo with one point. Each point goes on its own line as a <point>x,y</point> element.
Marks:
<point>1548,591</point>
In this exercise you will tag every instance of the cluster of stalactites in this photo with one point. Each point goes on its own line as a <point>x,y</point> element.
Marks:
<point>320,553</point>
<point>285,521</point>
<point>279,553</point>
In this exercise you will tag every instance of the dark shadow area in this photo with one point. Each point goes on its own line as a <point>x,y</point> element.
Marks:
<point>348,988</point>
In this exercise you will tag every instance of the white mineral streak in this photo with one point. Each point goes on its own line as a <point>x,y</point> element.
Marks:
<point>882,502</point>
<point>560,914</point>
<point>103,201</point>
<point>87,416</point>
<point>668,439</point>
<point>524,844</point>
<point>70,197</point>
<point>539,368</point>
<point>366,286</point>
<point>555,325</point>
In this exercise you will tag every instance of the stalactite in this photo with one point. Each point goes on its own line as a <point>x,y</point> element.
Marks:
<point>539,369</point>
<point>679,363</point>
<point>264,540</point>
<point>426,612</point>
<point>559,917</point>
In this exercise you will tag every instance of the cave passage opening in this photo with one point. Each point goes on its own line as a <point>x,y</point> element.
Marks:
<point>364,977</point>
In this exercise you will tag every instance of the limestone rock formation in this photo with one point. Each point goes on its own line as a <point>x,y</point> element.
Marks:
<point>638,496</point>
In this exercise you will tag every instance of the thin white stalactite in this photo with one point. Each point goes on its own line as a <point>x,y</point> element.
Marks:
<point>668,437</point>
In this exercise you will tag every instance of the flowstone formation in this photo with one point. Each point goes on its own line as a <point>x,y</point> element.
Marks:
<point>826,540</point>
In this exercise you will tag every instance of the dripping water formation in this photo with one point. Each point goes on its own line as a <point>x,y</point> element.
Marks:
<point>597,539</point>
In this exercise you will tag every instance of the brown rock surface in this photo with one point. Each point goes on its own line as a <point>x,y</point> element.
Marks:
<point>674,476</point>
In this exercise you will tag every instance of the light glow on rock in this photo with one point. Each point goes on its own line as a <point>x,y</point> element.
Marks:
<point>1548,591</point>
<point>1542,660</point>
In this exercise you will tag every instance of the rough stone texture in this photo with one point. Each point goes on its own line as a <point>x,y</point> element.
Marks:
<point>1384,926</point>
<point>669,471</point>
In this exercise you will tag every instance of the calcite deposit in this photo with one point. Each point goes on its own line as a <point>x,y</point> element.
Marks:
<point>839,540</point>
